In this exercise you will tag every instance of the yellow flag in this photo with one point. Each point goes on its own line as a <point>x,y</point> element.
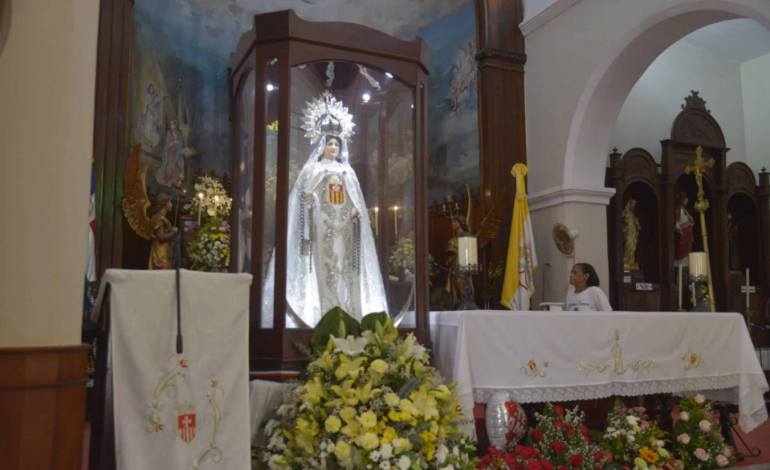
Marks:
<point>518,285</point>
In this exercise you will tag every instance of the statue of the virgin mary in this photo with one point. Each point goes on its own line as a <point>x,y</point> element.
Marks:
<point>331,256</point>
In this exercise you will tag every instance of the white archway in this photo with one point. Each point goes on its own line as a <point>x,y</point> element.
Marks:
<point>611,82</point>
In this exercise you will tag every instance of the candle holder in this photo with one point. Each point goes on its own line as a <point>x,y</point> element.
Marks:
<point>467,251</point>
<point>698,262</point>
<point>747,314</point>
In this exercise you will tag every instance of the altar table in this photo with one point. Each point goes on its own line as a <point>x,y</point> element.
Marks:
<point>562,356</point>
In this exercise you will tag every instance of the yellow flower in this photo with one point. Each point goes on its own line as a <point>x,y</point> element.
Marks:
<point>305,433</point>
<point>434,427</point>
<point>388,435</point>
<point>347,414</point>
<point>368,420</point>
<point>429,450</point>
<point>346,393</point>
<point>342,450</point>
<point>324,362</point>
<point>365,394</point>
<point>351,367</point>
<point>400,445</point>
<point>427,436</point>
<point>368,441</point>
<point>442,393</point>
<point>425,405</point>
<point>407,406</point>
<point>649,455</point>
<point>333,424</point>
<point>314,393</point>
<point>392,400</point>
<point>379,366</point>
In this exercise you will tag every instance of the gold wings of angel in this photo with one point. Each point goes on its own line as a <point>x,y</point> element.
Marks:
<point>135,199</point>
<point>490,226</point>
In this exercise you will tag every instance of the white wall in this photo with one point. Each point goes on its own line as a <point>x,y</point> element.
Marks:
<point>755,77</point>
<point>656,100</point>
<point>47,78</point>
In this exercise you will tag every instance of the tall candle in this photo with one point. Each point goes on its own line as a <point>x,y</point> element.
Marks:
<point>395,217</point>
<point>748,284</point>
<point>376,221</point>
<point>680,287</point>
<point>200,206</point>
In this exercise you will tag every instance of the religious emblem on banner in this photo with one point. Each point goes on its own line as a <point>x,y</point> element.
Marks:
<point>336,193</point>
<point>186,422</point>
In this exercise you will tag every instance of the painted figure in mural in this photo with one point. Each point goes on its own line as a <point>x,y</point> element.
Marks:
<point>173,151</point>
<point>459,227</point>
<point>151,116</point>
<point>732,239</point>
<point>162,251</point>
<point>631,230</point>
<point>331,256</point>
<point>683,225</point>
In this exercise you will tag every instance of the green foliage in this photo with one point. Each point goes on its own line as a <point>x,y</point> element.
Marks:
<point>409,387</point>
<point>369,322</point>
<point>330,325</point>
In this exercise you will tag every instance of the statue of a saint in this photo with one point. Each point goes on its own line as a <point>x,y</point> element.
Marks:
<point>631,230</point>
<point>683,224</point>
<point>732,240</point>
<point>457,289</point>
<point>331,256</point>
<point>162,251</point>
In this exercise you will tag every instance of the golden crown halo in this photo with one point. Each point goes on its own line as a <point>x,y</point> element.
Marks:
<point>185,408</point>
<point>326,116</point>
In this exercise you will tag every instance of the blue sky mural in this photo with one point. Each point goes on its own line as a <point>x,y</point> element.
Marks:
<point>180,86</point>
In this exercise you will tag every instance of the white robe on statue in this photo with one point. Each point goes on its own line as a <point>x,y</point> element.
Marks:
<point>180,411</point>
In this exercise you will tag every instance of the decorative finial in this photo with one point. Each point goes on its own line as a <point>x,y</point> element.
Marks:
<point>326,115</point>
<point>764,170</point>
<point>695,101</point>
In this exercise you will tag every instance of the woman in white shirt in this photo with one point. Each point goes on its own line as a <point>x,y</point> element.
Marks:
<point>587,296</point>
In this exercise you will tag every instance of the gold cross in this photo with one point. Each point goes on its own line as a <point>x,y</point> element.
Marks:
<point>698,169</point>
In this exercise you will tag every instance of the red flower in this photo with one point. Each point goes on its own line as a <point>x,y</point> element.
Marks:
<point>598,456</point>
<point>213,384</point>
<point>576,461</point>
<point>537,435</point>
<point>510,460</point>
<point>608,458</point>
<point>481,465</point>
<point>584,430</point>
<point>558,447</point>
<point>558,410</point>
<point>570,430</point>
<point>587,440</point>
<point>495,451</point>
<point>534,465</point>
<point>562,467</point>
<point>558,423</point>
<point>546,465</point>
<point>183,363</point>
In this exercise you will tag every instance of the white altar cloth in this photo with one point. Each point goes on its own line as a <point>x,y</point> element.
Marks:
<point>186,410</point>
<point>559,356</point>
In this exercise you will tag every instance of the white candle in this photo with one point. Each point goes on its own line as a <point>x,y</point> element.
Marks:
<point>376,221</point>
<point>395,217</point>
<point>467,250</point>
<point>216,201</point>
<point>748,284</point>
<point>680,287</point>
<point>200,206</point>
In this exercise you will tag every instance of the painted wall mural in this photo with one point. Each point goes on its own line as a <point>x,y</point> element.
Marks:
<point>180,95</point>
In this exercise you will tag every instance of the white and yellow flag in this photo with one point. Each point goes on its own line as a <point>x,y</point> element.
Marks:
<point>518,285</point>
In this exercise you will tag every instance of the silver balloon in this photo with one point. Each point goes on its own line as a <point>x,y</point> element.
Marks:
<point>500,424</point>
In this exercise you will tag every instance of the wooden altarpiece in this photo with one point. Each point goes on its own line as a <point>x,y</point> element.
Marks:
<point>730,189</point>
<point>278,66</point>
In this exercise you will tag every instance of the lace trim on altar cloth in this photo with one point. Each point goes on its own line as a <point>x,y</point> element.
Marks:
<point>732,388</point>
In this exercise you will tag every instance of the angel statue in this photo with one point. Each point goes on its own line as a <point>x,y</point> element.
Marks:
<point>490,226</point>
<point>331,256</point>
<point>631,230</point>
<point>153,226</point>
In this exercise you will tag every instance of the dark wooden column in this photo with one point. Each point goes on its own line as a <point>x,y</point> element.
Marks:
<point>764,221</point>
<point>615,229</point>
<point>502,122</point>
<point>113,78</point>
<point>720,263</point>
<point>668,275</point>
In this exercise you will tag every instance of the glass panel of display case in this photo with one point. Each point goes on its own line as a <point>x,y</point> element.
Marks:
<point>271,187</point>
<point>245,171</point>
<point>351,200</point>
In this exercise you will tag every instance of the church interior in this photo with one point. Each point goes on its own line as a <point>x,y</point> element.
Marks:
<point>347,234</point>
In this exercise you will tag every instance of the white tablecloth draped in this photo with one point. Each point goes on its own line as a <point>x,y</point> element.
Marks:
<point>559,356</point>
<point>173,410</point>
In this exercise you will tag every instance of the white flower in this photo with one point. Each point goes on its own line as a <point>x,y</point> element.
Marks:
<point>386,450</point>
<point>350,346</point>
<point>441,453</point>
<point>456,451</point>
<point>385,465</point>
<point>683,439</point>
<point>700,399</point>
<point>404,463</point>
<point>705,426</point>
<point>194,465</point>
<point>449,467</point>
<point>684,416</point>
<point>631,438</point>
<point>632,420</point>
<point>375,455</point>
<point>660,444</point>
<point>282,410</point>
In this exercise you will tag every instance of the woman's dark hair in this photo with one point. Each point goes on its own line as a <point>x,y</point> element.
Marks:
<point>593,278</point>
<point>339,142</point>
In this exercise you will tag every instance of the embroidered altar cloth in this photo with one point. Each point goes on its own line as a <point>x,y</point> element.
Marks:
<point>181,411</point>
<point>560,356</point>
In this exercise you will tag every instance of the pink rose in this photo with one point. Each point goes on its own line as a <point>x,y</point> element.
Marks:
<point>722,460</point>
<point>684,416</point>
<point>700,399</point>
<point>683,439</point>
<point>701,454</point>
<point>705,426</point>
<point>728,451</point>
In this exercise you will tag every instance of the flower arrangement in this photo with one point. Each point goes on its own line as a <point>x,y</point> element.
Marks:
<point>401,259</point>
<point>519,458</point>
<point>210,251</point>
<point>494,272</point>
<point>369,401</point>
<point>635,442</point>
<point>214,204</point>
<point>704,295</point>
<point>697,440</point>
<point>562,439</point>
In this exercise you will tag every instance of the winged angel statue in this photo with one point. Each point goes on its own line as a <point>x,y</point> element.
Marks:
<point>490,226</point>
<point>147,219</point>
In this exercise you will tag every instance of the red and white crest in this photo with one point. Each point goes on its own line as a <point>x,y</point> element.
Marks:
<point>186,424</point>
<point>336,194</point>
